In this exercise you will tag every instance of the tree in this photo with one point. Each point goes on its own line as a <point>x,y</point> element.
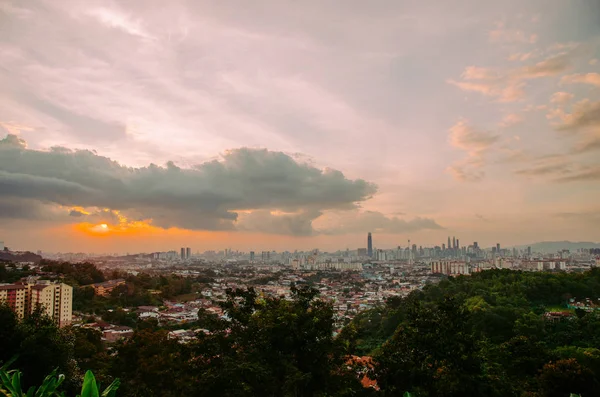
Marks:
<point>38,345</point>
<point>275,347</point>
<point>560,378</point>
<point>432,353</point>
<point>151,364</point>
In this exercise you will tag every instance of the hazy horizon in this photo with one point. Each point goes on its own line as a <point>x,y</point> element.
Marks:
<point>291,125</point>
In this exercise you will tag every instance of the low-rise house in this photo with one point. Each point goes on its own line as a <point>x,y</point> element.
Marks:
<point>117,332</point>
<point>105,288</point>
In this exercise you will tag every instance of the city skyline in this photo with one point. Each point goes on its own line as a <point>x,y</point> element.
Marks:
<point>185,253</point>
<point>209,124</point>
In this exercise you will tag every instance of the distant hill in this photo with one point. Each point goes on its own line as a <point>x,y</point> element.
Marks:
<point>554,246</point>
<point>19,256</point>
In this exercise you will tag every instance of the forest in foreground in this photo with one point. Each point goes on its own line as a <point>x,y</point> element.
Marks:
<point>484,335</point>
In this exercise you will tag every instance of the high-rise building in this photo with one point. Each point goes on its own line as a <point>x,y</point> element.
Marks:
<point>443,247</point>
<point>15,296</point>
<point>449,242</point>
<point>251,256</point>
<point>55,299</point>
<point>457,244</point>
<point>498,247</point>
<point>369,245</point>
<point>475,245</point>
<point>182,253</point>
<point>529,251</point>
<point>453,242</point>
<point>188,253</point>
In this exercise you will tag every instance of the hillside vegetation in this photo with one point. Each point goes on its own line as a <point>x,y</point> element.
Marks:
<point>484,335</point>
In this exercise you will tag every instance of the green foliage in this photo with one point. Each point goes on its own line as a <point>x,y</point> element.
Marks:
<point>40,346</point>
<point>485,335</point>
<point>90,388</point>
<point>75,274</point>
<point>10,385</point>
<point>557,379</point>
<point>432,353</point>
<point>9,272</point>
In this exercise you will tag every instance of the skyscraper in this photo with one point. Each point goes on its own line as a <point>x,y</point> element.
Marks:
<point>449,242</point>
<point>188,253</point>
<point>498,247</point>
<point>369,245</point>
<point>251,256</point>
<point>182,253</point>
<point>453,242</point>
<point>457,244</point>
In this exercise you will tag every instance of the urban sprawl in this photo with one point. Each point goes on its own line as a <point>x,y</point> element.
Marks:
<point>352,280</point>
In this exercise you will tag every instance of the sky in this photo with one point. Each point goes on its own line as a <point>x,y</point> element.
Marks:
<point>146,125</point>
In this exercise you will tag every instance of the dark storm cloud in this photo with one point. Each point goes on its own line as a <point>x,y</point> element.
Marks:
<point>299,224</point>
<point>203,197</point>
<point>31,210</point>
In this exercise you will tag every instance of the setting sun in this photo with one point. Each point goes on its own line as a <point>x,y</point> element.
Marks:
<point>104,226</point>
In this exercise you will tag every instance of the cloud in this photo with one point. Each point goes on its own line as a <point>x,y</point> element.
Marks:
<point>583,122</point>
<point>547,165</point>
<point>502,34</point>
<point>15,128</point>
<point>116,19</point>
<point>362,221</point>
<point>508,85</point>
<point>523,56</point>
<point>561,98</point>
<point>29,210</point>
<point>586,216</point>
<point>490,82</point>
<point>588,144</point>
<point>586,78</point>
<point>476,143</point>
<point>560,168</point>
<point>511,120</point>
<point>11,9</point>
<point>548,67</point>
<point>466,137</point>
<point>585,114</point>
<point>468,170</point>
<point>586,174</point>
<point>265,221</point>
<point>205,196</point>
